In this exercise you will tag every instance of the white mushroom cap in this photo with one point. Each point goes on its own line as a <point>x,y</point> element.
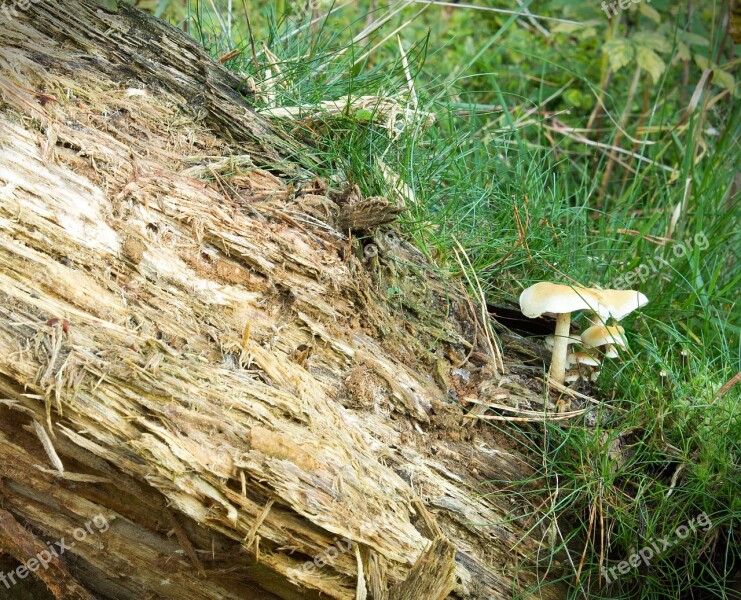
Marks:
<point>599,335</point>
<point>572,376</point>
<point>550,340</point>
<point>582,358</point>
<point>619,303</point>
<point>611,351</point>
<point>556,298</point>
<point>546,297</point>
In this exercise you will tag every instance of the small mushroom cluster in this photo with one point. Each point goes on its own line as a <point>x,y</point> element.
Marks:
<point>600,341</point>
<point>562,300</point>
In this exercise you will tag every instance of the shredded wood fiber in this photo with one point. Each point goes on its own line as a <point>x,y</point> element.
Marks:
<point>217,367</point>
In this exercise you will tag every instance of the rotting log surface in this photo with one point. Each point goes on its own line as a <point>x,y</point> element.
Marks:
<point>221,372</point>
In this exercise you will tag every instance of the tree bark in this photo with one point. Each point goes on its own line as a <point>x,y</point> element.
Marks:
<point>200,371</point>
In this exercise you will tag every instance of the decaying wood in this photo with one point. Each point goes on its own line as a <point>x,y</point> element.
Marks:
<point>432,576</point>
<point>23,545</point>
<point>368,213</point>
<point>223,375</point>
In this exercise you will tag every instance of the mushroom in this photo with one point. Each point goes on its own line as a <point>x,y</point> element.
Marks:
<point>582,358</point>
<point>619,303</point>
<point>609,337</point>
<point>549,340</point>
<point>571,377</point>
<point>562,300</point>
<point>611,351</point>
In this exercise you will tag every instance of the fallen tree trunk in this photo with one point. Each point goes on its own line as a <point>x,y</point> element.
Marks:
<point>199,371</point>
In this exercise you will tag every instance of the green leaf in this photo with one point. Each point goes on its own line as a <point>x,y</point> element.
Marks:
<point>577,99</point>
<point>650,61</point>
<point>619,52</point>
<point>583,31</point>
<point>693,39</point>
<point>573,97</point>
<point>587,33</point>
<point>701,61</point>
<point>649,11</point>
<point>720,76</point>
<point>566,27</point>
<point>683,52</point>
<point>363,114</point>
<point>725,79</point>
<point>652,41</point>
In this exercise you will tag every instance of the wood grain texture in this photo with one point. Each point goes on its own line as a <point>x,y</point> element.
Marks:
<point>161,228</point>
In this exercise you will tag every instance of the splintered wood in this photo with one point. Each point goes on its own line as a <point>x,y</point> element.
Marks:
<point>184,340</point>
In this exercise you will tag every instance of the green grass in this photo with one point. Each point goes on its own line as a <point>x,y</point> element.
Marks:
<point>518,169</point>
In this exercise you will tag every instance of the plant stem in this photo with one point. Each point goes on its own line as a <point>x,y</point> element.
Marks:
<point>560,347</point>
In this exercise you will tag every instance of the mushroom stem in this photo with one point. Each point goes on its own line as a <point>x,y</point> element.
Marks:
<point>560,347</point>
